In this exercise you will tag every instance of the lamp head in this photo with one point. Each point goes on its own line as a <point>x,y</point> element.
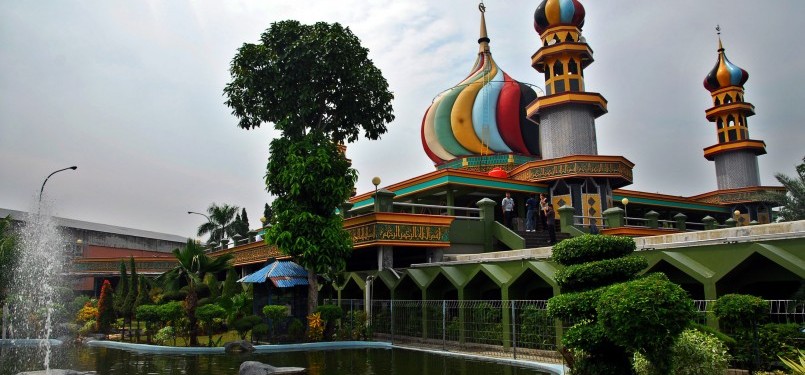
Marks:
<point>737,212</point>
<point>263,219</point>
<point>625,201</point>
<point>375,181</point>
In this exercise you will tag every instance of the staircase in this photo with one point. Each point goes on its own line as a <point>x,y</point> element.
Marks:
<point>540,237</point>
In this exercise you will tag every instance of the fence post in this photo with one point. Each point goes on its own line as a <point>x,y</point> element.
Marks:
<point>352,319</point>
<point>514,331</point>
<point>709,223</point>
<point>614,217</point>
<point>680,221</point>
<point>444,325</point>
<point>391,328</point>
<point>652,219</point>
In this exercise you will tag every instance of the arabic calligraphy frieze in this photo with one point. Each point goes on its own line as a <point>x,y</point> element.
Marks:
<point>399,232</point>
<point>255,254</point>
<point>751,196</point>
<point>573,168</point>
<point>113,265</point>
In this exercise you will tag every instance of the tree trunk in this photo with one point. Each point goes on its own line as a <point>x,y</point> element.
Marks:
<point>312,292</point>
<point>190,307</point>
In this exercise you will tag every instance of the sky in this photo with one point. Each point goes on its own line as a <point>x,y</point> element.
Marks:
<point>132,93</point>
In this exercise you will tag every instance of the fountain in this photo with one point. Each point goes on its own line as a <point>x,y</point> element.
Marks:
<point>34,295</point>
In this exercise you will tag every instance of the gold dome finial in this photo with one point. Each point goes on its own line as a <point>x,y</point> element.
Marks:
<point>483,40</point>
<point>718,32</point>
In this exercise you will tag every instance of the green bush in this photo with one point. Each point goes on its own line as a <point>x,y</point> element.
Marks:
<point>260,331</point>
<point>726,340</point>
<point>275,314</point>
<point>590,248</point>
<point>740,310</point>
<point>646,315</point>
<point>171,312</point>
<point>773,341</point>
<point>594,353</point>
<point>87,328</point>
<point>578,305</point>
<point>330,313</point>
<point>243,325</point>
<point>296,330</point>
<point>165,334</point>
<point>484,324</point>
<point>589,275</point>
<point>354,326</point>
<point>178,295</point>
<point>694,353</point>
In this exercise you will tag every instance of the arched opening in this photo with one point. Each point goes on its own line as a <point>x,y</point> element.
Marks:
<point>556,39</point>
<point>530,286</point>
<point>558,69</point>
<point>568,38</point>
<point>351,290</point>
<point>720,123</point>
<point>730,120</point>
<point>694,288</point>
<point>380,291</point>
<point>572,67</point>
<point>481,287</point>
<point>760,276</point>
<point>407,289</point>
<point>441,288</point>
<point>727,99</point>
<point>717,102</point>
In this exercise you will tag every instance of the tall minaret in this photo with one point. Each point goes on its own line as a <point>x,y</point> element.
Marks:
<point>567,112</point>
<point>735,154</point>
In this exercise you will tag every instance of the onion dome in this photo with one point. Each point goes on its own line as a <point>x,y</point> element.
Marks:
<point>724,73</point>
<point>551,13</point>
<point>482,115</point>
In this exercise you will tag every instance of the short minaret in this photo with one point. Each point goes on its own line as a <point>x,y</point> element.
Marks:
<point>567,112</point>
<point>735,154</point>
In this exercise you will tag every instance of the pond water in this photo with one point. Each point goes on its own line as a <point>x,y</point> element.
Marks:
<point>328,362</point>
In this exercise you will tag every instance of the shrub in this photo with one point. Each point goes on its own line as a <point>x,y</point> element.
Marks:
<point>178,295</point>
<point>590,248</point>
<point>170,312</point>
<point>330,313</point>
<point>773,341</point>
<point>243,325</point>
<point>589,275</point>
<point>150,315</point>
<point>106,313</point>
<point>485,323</point>
<point>796,368</point>
<point>275,314</point>
<point>646,315</point>
<point>740,310</point>
<point>259,331</point>
<point>165,334</point>
<point>694,353</point>
<point>86,313</point>
<point>579,305</point>
<point>315,327</point>
<point>87,328</point>
<point>296,330</point>
<point>354,326</point>
<point>537,329</point>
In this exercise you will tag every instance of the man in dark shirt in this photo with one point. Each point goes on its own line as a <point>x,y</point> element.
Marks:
<point>551,221</point>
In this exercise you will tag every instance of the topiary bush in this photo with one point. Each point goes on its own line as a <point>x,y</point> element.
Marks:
<point>275,314</point>
<point>646,315</point>
<point>296,330</point>
<point>536,329</point>
<point>243,325</point>
<point>583,276</point>
<point>740,311</point>
<point>591,248</point>
<point>694,353</point>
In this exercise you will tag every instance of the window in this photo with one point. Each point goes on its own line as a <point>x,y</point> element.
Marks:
<point>572,67</point>
<point>733,135</point>
<point>720,123</point>
<point>721,137</point>
<point>717,101</point>
<point>727,99</point>
<point>559,85</point>
<point>574,85</point>
<point>558,69</point>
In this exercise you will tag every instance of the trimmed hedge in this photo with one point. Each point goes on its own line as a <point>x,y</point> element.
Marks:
<point>330,313</point>
<point>590,248</point>
<point>588,275</point>
<point>740,310</point>
<point>578,305</point>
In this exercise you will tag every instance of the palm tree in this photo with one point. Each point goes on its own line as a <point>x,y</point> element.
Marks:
<point>221,218</point>
<point>192,265</point>
<point>793,199</point>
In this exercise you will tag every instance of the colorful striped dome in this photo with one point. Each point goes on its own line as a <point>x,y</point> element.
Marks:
<point>724,73</point>
<point>483,115</point>
<point>558,12</point>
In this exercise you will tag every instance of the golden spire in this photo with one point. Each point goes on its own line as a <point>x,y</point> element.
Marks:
<point>718,31</point>
<point>483,40</point>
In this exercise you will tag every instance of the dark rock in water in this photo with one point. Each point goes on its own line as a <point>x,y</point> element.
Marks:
<point>238,347</point>
<point>57,372</point>
<point>257,368</point>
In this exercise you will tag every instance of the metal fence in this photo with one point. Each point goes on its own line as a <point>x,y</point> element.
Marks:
<point>518,329</point>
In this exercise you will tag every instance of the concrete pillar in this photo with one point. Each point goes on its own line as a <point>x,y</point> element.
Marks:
<point>506,322</point>
<point>652,219</point>
<point>614,217</point>
<point>487,207</point>
<point>462,316</point>
<point>710,294</point>
<point>680,221</point>
<point>385,257</point>
<point>566,218</point>
<point>384,201</point>
<point>709,222</point>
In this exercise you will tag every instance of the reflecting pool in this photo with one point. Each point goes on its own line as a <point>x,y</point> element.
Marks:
<point>327,362</point>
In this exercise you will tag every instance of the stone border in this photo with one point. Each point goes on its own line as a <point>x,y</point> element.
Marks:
<point>554,369</point>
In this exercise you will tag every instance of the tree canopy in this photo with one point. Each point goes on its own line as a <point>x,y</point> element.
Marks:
<point>793,201</point>
<point>319,88</point>
<point>221,218</point>
<point>8,255</point>
<point>305,78</point>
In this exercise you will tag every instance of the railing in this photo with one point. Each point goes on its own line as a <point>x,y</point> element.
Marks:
<point>426,208</point>
<point>518,329</point>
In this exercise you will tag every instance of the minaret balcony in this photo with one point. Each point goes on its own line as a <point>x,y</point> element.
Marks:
<point>566,48</point>
<point>592,99</point>
<point>747,109</point>
<point>758,147</point>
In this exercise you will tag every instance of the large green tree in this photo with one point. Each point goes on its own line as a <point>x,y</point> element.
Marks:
<point>222,218</point>
<point>192,265</point>
<point>318,87</point>
<point>793,200</point>
<point>8,255</point>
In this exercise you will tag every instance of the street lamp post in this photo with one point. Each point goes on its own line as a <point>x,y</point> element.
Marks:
<point>625,201</point>
<point>209,220</point>
<point>46,180</point>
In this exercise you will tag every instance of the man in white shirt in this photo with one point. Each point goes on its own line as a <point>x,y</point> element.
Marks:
<point>507,205</point>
